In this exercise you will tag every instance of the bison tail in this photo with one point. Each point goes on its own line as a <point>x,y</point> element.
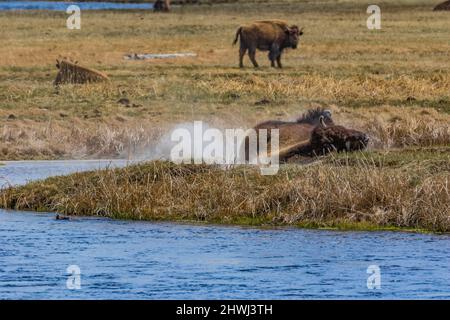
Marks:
<point>238,33</point>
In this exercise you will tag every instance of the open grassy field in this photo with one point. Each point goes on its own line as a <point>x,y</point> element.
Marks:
<point>392,83</point>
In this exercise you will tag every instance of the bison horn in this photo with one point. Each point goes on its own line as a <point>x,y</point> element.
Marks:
<point>322,121</point>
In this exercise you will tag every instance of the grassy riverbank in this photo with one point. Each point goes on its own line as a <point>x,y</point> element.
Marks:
<point>393,83</point>
<point>366,191</point>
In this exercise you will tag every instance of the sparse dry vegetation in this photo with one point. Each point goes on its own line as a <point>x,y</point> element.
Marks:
<point>364,191</point>
<point>392,83</point>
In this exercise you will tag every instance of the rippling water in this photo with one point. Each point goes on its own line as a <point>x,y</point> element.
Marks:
<point>144,260</point>
<point>62,6</point>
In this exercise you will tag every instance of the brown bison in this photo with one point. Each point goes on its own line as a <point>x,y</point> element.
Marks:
<point>314,133</point>
<point>270,35</point>
<point>325,139</point>
<point>292,132</point>
<point>161,5</point>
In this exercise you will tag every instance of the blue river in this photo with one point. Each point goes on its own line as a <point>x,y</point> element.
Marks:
<point>62,6</point>
<point>146,260</point>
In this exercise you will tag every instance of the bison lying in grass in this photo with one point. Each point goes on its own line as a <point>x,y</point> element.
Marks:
<point>270,35</point>
<point>314,133</point>
<point>325,139</point>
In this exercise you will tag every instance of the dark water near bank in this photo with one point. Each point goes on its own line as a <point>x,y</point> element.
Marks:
<point>62,6</point>
<point>143,260</point>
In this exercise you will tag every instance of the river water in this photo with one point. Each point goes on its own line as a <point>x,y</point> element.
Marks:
<point>62,6</point>
<point>146,260</point>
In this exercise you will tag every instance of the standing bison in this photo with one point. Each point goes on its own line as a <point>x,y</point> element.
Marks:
<point>271,35</point>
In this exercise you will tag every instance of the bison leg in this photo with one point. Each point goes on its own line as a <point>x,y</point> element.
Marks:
<point>251,54</point>
<point>272,59</point>
<point>274,53</point>
<point>279,62</point>
<point>242,51</point>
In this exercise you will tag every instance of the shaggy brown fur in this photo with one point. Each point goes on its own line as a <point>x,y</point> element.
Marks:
<point>327,139</point>
<point>70,72</point>
<point>268,35</point>
<point>337,138</point>
<point>443,6</point>
<point>314,133</point>
<point>300,130</point>
<point>293,132</point>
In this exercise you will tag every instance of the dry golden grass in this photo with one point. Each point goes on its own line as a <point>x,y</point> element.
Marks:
<point>342,193</point>
<point>393,84</point>
<point>370,78</point>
